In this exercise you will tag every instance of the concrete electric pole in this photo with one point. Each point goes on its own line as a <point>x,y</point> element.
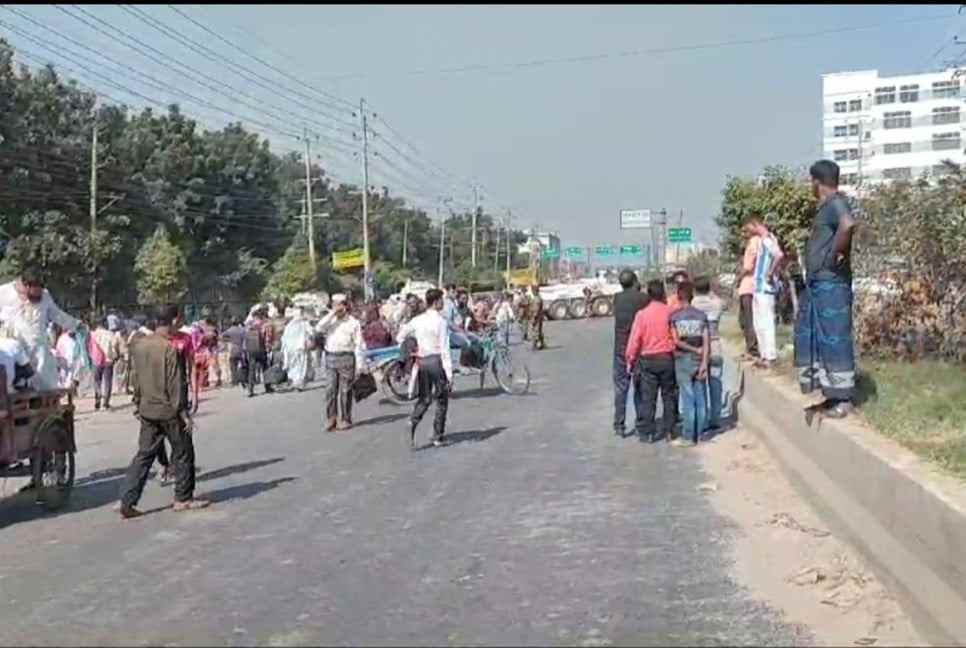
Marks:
<point>367,278</point>
<point>310,225</point>
<point>93,208</point>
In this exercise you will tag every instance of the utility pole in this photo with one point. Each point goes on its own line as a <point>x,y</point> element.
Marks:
<point>677,248</point>
<point>365,201</point>
<point>476,210</point>
<point>405,240</point>
<point>93,208</point>
<point>442,246</point>
<point>496,251</point>
<point>509,215</point>
<point>308,202</point>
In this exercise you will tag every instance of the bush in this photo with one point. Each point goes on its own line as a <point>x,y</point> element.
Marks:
<point>910,251</point>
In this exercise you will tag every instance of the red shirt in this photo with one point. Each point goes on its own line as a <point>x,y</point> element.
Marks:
<point>651,333</point>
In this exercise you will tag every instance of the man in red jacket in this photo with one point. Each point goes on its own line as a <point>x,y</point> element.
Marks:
<point>650,359</point>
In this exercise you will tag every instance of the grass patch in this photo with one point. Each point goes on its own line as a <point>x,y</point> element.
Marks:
<point>920,405</point>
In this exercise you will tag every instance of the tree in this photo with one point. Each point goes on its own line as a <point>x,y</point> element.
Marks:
<point>292,273</point>
<point>161,269</point>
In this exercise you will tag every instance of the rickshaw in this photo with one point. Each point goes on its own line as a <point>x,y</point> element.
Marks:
<point>394,371</point>
<point>37,440</point>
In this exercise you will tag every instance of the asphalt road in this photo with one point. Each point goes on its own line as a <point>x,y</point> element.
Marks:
<point>536,526</point>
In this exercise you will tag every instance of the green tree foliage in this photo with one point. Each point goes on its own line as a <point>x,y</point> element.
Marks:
<point>292,273</point>
<point>228,202</point>
<point>161,269</point>
<point>782,199</point>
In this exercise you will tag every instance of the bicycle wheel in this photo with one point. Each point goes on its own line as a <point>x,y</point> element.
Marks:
<point>511,374</point>
<point>397,382</point>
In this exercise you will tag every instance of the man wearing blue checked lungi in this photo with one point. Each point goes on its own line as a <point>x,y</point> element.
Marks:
<point>824,349</point>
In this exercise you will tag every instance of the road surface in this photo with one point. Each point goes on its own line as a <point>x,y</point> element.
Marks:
<point>536,526</point>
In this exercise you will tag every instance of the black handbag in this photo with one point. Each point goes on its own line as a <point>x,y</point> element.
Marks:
<point>363,387</point>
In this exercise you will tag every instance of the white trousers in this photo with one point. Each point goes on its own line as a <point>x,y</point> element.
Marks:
<point>763,309</point>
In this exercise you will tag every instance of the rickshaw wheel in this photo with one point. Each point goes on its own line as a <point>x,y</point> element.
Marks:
<point>53,471</point>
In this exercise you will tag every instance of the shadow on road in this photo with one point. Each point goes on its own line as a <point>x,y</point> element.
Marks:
<point>92,492</point>
<point>488,392</point>
<point>244,491</point>
<point>237,468</point>
<point>379,420</point>
<point>464,437</point>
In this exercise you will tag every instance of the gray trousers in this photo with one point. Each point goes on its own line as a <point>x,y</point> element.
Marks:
<point>340,370</point>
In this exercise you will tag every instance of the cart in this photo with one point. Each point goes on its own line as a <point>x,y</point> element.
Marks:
<point>37,440</point>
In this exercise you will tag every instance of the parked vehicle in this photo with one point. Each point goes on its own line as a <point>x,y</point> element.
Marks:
<point>579,299</point>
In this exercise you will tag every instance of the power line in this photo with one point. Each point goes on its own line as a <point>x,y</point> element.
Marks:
<point>257,59</point>
<point>645,52</point>
<point>248,75</point>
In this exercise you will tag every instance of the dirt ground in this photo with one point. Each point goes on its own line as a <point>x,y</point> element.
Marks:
<point>785,556</point>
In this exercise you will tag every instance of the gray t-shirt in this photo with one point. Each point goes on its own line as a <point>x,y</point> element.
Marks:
<point>820,259</point>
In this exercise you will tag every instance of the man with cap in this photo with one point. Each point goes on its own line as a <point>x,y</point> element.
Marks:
<point>344,359</point>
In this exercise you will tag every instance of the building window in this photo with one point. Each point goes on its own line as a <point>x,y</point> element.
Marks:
<point>897,119</point>
<point>899,147</point>
<point>850,179</point>
<point>901,173</point>
<point>945,115</point>
<point>841,155</point>
<point>840,106</point>
<point>855,105</point>
<point>854,130</point>
<point>885,95</point>
<point>854,154</point>
<point>945,141</point>
<point>839,131</point>
<point>909,93</point>
<point>945,89</point>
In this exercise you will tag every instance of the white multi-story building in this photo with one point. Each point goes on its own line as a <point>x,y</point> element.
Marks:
<point>887,128</point>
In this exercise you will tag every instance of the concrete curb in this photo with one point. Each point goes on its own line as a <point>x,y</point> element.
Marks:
<point>908,520</point>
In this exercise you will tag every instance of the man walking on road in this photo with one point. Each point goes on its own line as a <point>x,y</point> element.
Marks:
<point>537,316</point>
<point>626,305</point>
<point>824,351</point>
<point>766,287</point>
<point>161,406</point>
<point>344,359</point>
<point>110,343</point>
<point>746,293</point>
<point>435,375</point>
<point>650,357</point>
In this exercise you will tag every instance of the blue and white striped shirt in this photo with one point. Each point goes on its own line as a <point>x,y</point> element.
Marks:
<point>769,252</point>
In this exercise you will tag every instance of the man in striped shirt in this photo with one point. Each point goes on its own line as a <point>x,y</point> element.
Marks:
<point>767,262</point>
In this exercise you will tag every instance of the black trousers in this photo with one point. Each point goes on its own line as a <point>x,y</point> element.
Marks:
<point>237,369</point>
<point>256,361</point>
<point>746,320</point>
<point>652,374</point>
<point>432,384</point>
<point>150,441</point>
<point>103,383</point>
<point>622,384</point>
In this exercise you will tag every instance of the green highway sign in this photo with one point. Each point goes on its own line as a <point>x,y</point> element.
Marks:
<point>631,250</point>
<point>575,251</point>
<point>679,235</point>
<point>551,253</point>
<point>604,250</point>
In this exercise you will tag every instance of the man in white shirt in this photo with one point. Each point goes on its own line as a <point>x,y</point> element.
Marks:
<point>27,308</point>
<point>435,374</point>
<point>765,277</point>
<point>345,355</point>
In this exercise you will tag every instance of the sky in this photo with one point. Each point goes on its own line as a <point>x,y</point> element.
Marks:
<point>565,146</point>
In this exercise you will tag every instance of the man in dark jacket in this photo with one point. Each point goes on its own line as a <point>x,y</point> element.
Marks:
<point>161,405</point>
<point>626,304</point>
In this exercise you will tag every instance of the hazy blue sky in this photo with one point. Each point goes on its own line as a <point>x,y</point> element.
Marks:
<point>565,145</point>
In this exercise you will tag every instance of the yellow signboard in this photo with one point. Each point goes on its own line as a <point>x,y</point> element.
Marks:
<point>522,277</point>
<point>348,259</point>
